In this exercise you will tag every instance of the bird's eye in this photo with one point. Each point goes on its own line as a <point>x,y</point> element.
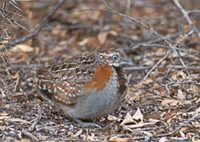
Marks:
<point>115,57</point>
<point>100,56</point>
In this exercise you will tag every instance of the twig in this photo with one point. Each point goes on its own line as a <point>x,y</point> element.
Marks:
<point>135,20</point>
<point>149,45</point>
<point>14,4</point>
<point>137,68</point>
<point>29,135</point>
<point>128,6</point>
<point>196,117</point>
<point>193,11</point>
<point>8,10</point>
<point>39,115</point>
<point>35,31</point>
<point>156,65</point>
<point>153,43</point>
<point>17,82</point>
<point>158,136</point>
<point>186,15</point>
<point>131,68</point>
<point>140,68</point>
<point>25,66</point>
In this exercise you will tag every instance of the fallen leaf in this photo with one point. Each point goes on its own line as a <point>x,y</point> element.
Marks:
<point>148,62</point>
<point>91,42</point>
<point>181,95</point>
<point>128,119</point>
<point>18,120</point>
<point>23,47</point>
<point>4,113</point>
<point>117,139</point>
<point>147,81</point>
<point>102,37</point>
<point>23,140</point>
<point>138,115</point>
<point>174,76</point>
<point>2,128</point>
<point>4,117</point>
<point>114,33</point>
<point>170,102</point>
<point>132,119</point>
<point>78,133</point>
<point>112,118</point>
<point>147,133</point>
<point>153,120</point>
<point>181,75</point>
<point>84,42</point>
<point>174,102</point>
<point>163,139</point>
<point>168,115</point>
<point>137,96</point>
<point>139,125</point>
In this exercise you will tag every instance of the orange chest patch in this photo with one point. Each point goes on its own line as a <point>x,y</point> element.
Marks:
<point>101,76</point>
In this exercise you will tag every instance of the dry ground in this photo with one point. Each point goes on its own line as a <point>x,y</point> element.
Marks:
<point>163,98</point>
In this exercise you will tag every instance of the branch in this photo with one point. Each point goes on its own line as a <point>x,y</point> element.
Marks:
<point>35,31</point>
<point>135,20</point>
<point>186,15</point>
<point>156,65</point>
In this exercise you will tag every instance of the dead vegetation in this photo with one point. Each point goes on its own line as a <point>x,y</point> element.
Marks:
<point>160,37</point>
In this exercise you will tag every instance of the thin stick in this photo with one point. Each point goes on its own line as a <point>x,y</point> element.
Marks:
<point>29,135</point>
<point>156,65</point>
<point>186,15</point>
<point>135,20</point>
<point>35,31</point>
<point>39,115</point>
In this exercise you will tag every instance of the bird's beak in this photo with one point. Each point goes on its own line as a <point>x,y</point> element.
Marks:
<point>127,62</point>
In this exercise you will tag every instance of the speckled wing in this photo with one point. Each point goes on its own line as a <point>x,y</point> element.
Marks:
<point>63,82</point>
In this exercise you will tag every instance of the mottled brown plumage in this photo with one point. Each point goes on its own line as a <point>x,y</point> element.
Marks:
<point>87,86</point>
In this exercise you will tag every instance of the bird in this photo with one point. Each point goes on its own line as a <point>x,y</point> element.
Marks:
<point>86,86</point>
